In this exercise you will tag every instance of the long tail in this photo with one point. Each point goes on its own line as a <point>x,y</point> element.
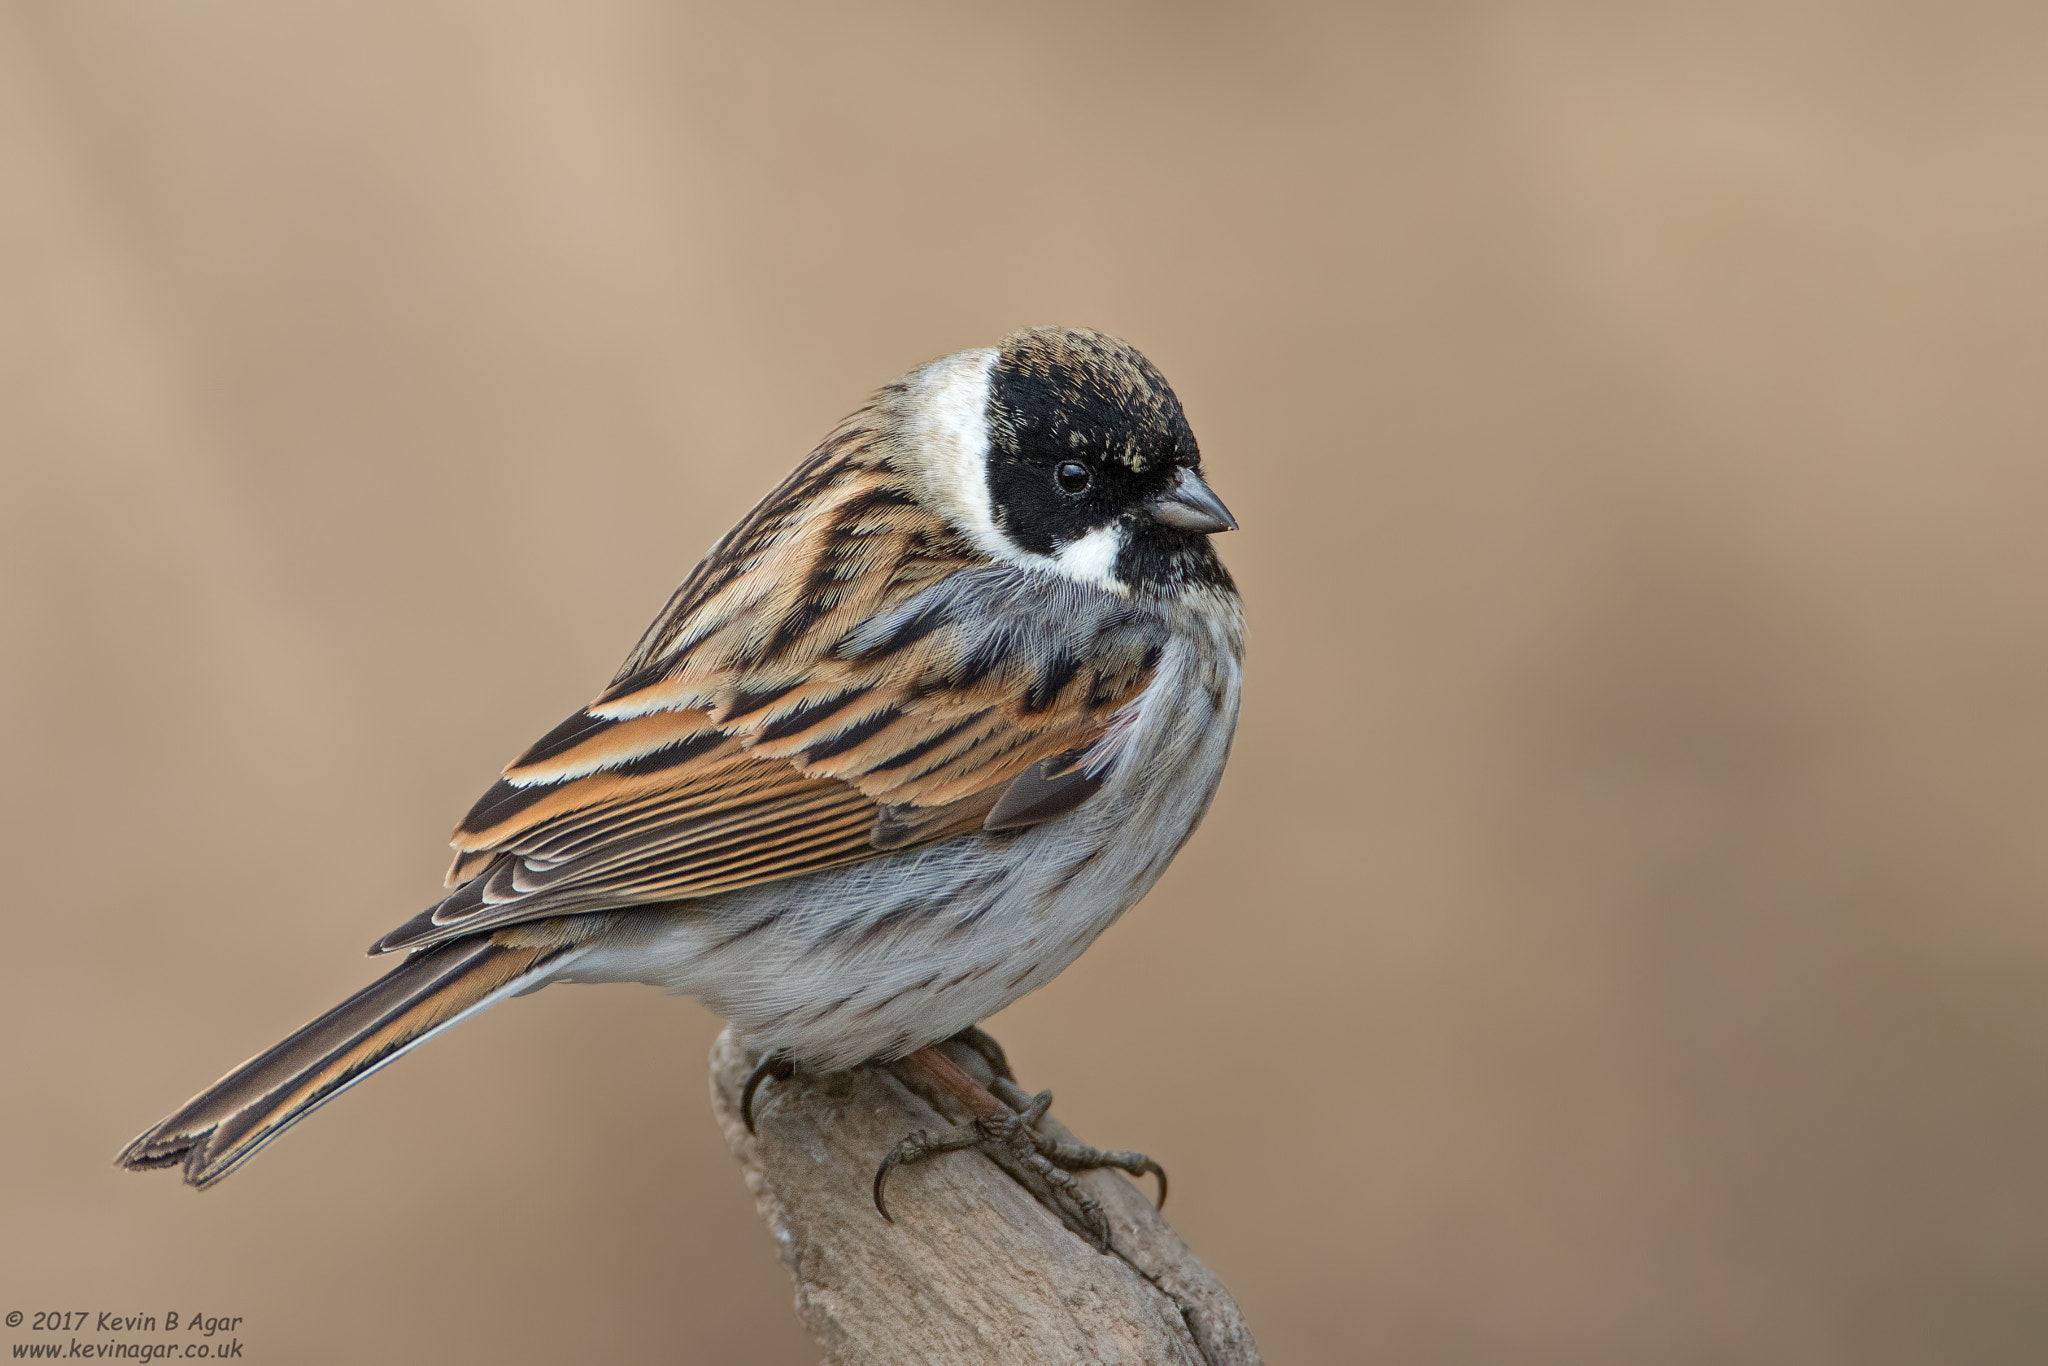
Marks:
<point>223,1126</point>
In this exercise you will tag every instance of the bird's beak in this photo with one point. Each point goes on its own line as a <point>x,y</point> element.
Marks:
<point>1190,506</point>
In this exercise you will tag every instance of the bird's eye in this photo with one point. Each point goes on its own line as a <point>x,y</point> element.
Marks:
<point>1073,476</point>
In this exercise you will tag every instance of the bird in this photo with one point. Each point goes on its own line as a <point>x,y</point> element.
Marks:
<point>913,733</point>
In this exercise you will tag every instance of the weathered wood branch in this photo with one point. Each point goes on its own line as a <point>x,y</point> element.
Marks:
<point>974,1269</point>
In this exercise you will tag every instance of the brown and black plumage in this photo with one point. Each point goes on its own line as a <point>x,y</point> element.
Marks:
<point>929,718</point>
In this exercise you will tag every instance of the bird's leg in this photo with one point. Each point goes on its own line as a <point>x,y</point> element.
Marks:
<point>775,1065</point>
<point>982,1042</point>
<point>1009,1130</point>
<point>993,1127</point>
<point>1074,1157</point>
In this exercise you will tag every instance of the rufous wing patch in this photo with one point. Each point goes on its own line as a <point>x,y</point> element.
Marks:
<point>817,693</point>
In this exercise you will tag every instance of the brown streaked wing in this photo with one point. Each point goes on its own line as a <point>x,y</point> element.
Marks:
<point>762,729</point>
<point>687,808</point>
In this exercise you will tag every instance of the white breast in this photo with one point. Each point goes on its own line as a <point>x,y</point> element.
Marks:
<point>880,958</point>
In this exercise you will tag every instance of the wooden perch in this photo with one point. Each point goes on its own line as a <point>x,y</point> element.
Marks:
<point>974,1269</point>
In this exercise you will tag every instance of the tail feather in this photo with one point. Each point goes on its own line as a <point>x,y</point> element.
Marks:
<point>224,1125</point>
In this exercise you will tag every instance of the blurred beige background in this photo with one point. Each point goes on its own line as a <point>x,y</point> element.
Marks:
<point>1620,936</point>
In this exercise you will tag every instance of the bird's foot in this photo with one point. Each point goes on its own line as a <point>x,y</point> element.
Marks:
<point>1007,1130</point>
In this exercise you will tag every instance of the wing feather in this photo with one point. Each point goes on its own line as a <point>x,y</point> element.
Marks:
<point>841,677</point>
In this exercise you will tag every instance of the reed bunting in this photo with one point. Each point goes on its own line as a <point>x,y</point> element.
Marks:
<point>936,712</point>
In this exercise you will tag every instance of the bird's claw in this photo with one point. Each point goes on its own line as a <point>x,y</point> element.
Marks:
<point>1051,1160</point>
<point>771,1065</point>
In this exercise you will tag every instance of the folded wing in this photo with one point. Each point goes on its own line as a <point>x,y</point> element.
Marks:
<point>824,689</point>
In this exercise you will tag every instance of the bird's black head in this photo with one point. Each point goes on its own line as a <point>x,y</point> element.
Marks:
<point>1091,462</point>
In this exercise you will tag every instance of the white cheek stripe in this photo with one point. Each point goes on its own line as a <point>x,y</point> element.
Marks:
<point>956,444</point>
